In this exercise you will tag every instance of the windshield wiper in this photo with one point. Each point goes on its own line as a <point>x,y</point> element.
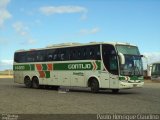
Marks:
<point>135,69</point>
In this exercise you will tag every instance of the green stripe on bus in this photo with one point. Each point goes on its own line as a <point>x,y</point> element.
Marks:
<point>136,78</point>
<point>47,74</point>
<point>132,78</point>
<point>32,67</point>
<point>96,65</point>
<point>121,78</point>
<point>76,66</point>
<point>44,67</point>
<point>26,67</point>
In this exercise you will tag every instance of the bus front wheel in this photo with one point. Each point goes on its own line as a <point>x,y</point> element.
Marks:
<point>35,83</point>
<point>27,82</point>
<point>94,86</point>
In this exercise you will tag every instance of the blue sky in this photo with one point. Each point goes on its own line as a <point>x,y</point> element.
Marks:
<point>26,24</point>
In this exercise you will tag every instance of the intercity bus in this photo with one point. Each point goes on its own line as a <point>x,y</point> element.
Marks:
<point>96,65</point>
<point>155,73</point>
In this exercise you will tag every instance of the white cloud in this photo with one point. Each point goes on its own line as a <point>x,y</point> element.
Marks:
<point>4,3</point>
<point>23,31</point>
<point>49,10</point>
<point>150,58</point>
<point>89,31</point>
<point>20,28</point>
<point>4,14</point>
<point>6,62</point>
<point>29,42</point>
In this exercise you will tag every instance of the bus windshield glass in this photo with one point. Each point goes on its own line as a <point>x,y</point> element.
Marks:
<point>133,62</point>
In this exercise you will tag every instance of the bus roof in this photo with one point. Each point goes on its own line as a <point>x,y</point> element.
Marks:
<point>63,45</point>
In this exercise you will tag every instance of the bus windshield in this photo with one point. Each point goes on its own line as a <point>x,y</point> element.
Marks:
<point>133,62</point>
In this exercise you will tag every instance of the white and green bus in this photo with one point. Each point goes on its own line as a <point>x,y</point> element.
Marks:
<point>155,72</point>
<point>99,66</point>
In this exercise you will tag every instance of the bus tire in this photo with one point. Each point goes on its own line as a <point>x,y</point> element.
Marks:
<point>94,86</point>
<point>35,83</point>
<point>27,82</point>
<point>115,91</point>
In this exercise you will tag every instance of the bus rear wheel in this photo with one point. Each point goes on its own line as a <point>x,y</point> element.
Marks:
<point>27,82</point>
<point>94,86</point>
<point>35,83</point>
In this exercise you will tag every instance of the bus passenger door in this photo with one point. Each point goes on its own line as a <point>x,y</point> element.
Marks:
<point>111,64</point>
<point>113,67</point>
<point>114,81</point>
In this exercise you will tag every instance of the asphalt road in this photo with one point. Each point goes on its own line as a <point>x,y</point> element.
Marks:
<point>16,99</point>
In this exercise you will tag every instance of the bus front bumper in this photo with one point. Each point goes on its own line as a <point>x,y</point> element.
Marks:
<point>126,85</point>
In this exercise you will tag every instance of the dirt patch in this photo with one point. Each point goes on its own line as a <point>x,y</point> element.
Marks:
<point>6,76</point>
<point>152,81</point>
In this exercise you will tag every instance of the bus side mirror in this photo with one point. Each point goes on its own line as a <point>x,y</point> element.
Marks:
<point>142,56</point>
<point>122,58</point>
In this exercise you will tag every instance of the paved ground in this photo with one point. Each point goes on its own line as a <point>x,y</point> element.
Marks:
<point>6,76</point>
<point>17,99</point>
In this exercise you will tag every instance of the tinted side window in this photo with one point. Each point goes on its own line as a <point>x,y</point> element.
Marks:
<point>40,56</point>
<point>20,57</point>
<point>64,54</point>
<point>91,52</point>
<point>31,56</point>
<point>60,54</point>
<point>94,52</point>
<point>84,52</point>
<point>50,55</point>
<point>16,57</point>
<point>73,53</point>
<point>78,53</point>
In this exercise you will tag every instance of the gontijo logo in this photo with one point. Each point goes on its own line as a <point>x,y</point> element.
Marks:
<point>79,66</point>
